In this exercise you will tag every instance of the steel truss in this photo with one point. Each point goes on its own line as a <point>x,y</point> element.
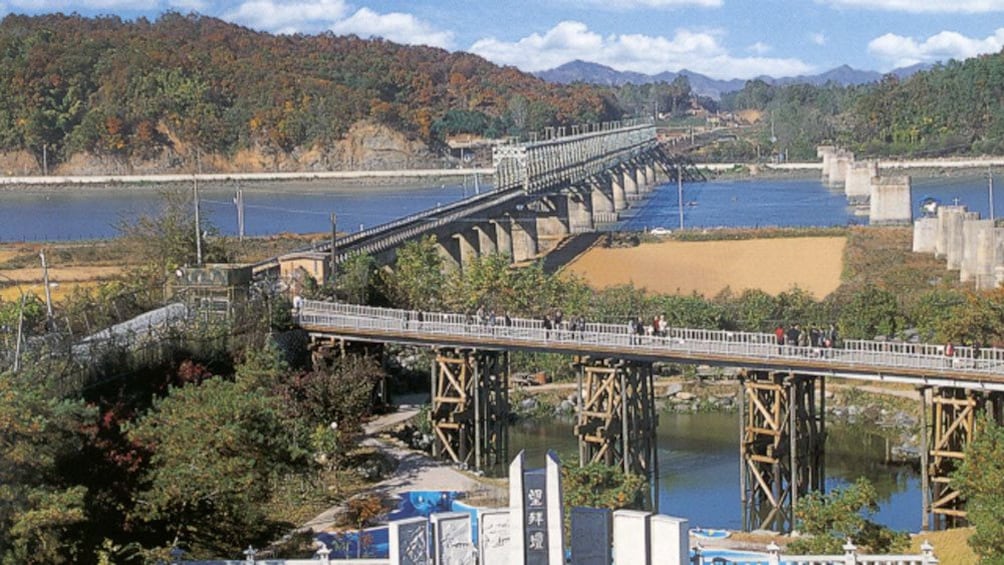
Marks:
<point>781,448</point>
<point>617,419</point>
<point>470,407</point>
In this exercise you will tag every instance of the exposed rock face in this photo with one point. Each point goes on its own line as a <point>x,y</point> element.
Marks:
<point>366,146</point>
<point>372,146</point>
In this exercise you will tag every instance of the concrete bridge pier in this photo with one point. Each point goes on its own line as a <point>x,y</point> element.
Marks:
<point>650,177</point>
<point>975,236</point>
<point>524,236</point>
<point>781,446</point>
<point>630,182</point>
<point>580,211</point>
<point>602,201</point>
<point>949,227</point>
<point>617,420</point>
<point>858,187</point>
<point>503,236</point>
<point>487,238</point>
<point>470,407</point>
<point>466,246</point>
<point>553,221</point>
<point>891,202</point>
<point>620,193</point>
<point>826,153</point>
<point>944,437</point>
<point>449,250</point>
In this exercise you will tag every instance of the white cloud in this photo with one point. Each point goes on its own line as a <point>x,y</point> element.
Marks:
<point>759,48</point>
<point>395,26</point>
<point>632,4</point>
<point>900,51</point>
<point>818,38</point>
<point>923,6</point>
<point>284,16</point>
<point>696,51</point>
<point>84,5</point>
<point>189,5</point>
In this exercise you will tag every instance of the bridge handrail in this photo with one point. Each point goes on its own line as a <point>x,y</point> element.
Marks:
<point>679,340</point>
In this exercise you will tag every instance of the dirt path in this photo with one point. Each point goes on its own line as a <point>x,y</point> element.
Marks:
<point>706,267</point>
<point>415,470</point>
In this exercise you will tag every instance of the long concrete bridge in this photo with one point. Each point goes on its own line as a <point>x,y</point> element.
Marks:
<point>542,190</point>
<point>783,411</point>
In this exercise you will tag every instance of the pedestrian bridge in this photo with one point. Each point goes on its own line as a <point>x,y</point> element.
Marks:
<point>913,363</point>
<point>783,409</point>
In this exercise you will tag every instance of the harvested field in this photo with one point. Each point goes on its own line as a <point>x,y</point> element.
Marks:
<point>774,265</point>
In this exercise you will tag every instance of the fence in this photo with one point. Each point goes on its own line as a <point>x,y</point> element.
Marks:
<point>860,355</point>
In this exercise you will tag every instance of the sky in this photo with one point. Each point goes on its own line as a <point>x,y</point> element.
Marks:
<point>723,39</point>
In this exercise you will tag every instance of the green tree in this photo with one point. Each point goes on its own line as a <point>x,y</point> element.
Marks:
<point>417,280</point>
<point>833,518</point>
<point>600,486</point>
<point>870,312</point>
<point>980,479</point>
<point>356,276</point>
<point>980,320</point>
<point>216,453</point>
<point>41,510</point>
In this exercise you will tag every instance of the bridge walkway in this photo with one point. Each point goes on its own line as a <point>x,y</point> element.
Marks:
<point>916,364</point>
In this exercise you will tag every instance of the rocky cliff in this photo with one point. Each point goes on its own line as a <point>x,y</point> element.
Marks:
<point>366,146</point>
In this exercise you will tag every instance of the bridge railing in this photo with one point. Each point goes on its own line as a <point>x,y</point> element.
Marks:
<point>684,341</point>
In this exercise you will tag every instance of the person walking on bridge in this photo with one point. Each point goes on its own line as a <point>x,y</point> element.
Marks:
<point>779,337</point>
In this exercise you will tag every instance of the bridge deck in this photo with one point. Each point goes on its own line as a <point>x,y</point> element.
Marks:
<point>916,364</point>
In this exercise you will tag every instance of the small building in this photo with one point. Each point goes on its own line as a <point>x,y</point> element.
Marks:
<point>293,267</point>
<point>215,286</point>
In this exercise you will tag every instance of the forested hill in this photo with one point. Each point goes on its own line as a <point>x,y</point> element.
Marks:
<point>953,108</point>
<point>160,91</point>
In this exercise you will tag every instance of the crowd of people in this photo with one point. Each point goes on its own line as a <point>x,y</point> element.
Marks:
<point>813,337</point>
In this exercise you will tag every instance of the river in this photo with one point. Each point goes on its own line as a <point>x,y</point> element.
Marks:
<point>699,467</point>
<point>304,206</point>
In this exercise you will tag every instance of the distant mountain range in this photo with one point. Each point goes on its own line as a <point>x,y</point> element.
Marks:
<point>594,73</point>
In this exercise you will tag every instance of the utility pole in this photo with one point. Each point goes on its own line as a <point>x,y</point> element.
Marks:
<point>334,248</point>
<point>198,224</point>
<point>679,189</point>
<point>48,292</point>
<point>239,201</point>
<point>45,159</point>
<point>990,178</point>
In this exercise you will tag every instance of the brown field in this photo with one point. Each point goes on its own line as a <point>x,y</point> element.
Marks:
<point>774,265</point>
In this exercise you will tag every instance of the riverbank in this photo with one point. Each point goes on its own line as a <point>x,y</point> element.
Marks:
<point>282,182</point>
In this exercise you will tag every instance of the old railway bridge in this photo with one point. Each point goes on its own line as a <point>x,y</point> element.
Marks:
<point>783,425</point>
<point>571,182</point>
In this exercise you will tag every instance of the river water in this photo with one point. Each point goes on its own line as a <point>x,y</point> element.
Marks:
<point>698,453</point>
<point>699,467</point>
<point>305,206</point>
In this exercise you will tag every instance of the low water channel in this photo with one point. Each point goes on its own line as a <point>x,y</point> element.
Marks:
<point>699,466</point>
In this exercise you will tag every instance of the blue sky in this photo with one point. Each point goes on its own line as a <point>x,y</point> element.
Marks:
<point>719,38</point>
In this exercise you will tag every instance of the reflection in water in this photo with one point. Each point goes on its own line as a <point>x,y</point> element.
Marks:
<point>699,467</point>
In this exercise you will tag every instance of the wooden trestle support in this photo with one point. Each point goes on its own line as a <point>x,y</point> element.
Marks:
<point>952,427</point>
<point>783,431</point>
<point>470,407</point>
<point>617,419</point>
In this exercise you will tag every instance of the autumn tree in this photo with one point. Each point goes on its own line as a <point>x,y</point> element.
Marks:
<point>980,479</point>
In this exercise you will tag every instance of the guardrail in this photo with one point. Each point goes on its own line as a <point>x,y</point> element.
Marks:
<point>983,368</point>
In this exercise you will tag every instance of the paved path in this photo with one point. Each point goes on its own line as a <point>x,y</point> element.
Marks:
<point>415,470</point>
